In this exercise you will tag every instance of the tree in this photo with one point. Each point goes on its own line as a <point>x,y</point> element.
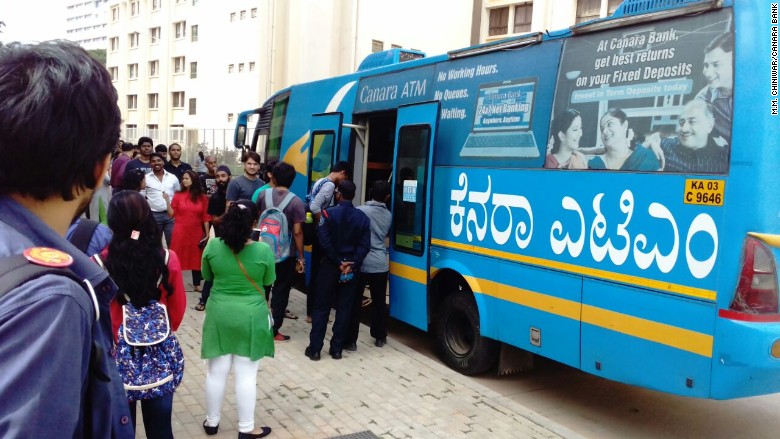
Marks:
<point>99,55</point>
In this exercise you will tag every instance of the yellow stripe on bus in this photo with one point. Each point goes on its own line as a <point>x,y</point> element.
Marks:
<point>585,271</point>
<point>662,333</point>
<point>410,273</point>
<point>669,335</point>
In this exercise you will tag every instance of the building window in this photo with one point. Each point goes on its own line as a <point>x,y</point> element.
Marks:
<point>154,35</point>
<point>193,106</point>
<point>114,72</point>
<point>131,131</point>
<point>133,9</point>
<point>194,32</point>
<point>252,66</point>
<point>115,13</point>
<point>132,102</point>
<point>178,64</point>
<point>134,37</point>
<point>180,29</point>
<point>230,117</point>
<point>498,21</point>
<point>132,71</point>
<point>230,68</point>
<point>114,43</point>
<point>177,98</point>
<point>253,13</point>
<point>240,67</point>
<point>156,4</point>
<point>243,14</point>
<point>523,15</point>
<point>193,70</point>
<point>377,46</point>
<point>588,10</point>
<point>152,130</point>
<point>232,17</point>
<point>153,100</point>
<point>154,68</point>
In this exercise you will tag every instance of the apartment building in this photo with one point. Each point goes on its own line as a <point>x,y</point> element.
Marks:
<point>183,69</point>
<point>85,23</point>
<point>499,19</point>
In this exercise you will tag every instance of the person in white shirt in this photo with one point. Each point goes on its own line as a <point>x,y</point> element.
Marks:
<point>160,187</point>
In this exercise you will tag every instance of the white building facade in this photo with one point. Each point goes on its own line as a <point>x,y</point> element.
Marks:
<point>183,69</point>
<point>85,23</point>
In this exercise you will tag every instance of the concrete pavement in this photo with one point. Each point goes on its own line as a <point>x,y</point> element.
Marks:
<point>388,392</point>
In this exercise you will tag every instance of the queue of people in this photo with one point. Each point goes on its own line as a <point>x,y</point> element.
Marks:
<point>159,221</point>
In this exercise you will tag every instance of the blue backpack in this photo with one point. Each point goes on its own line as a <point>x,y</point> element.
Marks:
<point>273,226</point>
<point>148,355</point>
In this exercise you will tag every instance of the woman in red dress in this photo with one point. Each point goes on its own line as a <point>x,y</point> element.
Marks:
<point>192,225</point>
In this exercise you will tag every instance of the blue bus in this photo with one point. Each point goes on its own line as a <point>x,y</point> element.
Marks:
<point>597,195</point>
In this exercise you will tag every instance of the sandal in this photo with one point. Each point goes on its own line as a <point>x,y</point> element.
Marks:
<point>289,315</point>
<point>196,288</point>
<point>200,307</point>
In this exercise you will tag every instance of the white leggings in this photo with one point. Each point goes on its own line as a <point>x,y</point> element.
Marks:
<point>245,376</point>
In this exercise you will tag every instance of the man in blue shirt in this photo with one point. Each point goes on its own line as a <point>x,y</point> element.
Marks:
<point>59,379</point>
<point>345,236</point>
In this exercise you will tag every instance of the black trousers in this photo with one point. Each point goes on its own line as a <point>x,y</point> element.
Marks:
<point>330,289</point>
<point>377,285</point>
<point>280,291</point>
<point>311,291</point>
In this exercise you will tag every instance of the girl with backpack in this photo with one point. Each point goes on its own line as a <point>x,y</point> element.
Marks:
<point>147,275</point>
<point>238,328</point>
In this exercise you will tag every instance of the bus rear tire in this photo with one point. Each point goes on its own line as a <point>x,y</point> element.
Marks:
<point>458,340</point>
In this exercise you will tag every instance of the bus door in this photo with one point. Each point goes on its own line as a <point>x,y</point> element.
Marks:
<point>323,148</point>
<point>415,138</point>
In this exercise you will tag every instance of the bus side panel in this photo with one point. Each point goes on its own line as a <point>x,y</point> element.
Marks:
<point>742,363</point>
<point>647,338</point>
<point>514,298</point>
<point>406,303</point>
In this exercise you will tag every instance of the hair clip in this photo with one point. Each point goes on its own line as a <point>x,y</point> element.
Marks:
<point>240,206</point>
<point>135,234</point>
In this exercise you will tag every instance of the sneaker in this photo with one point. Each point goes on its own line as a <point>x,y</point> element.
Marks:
<point>281,338</point>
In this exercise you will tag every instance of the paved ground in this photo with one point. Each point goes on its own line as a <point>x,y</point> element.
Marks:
<point>392,392</point>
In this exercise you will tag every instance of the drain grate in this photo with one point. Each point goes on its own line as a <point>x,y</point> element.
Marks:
<point>361,435</point>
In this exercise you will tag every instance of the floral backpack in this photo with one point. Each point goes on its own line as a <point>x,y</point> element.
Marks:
<point>148,355</point>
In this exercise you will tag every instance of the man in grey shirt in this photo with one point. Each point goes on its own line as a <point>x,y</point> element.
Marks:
<point>375,268</point>
<point>243,186</point>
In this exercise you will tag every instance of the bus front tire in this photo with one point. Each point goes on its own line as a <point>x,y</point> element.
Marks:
<point>458,339</point>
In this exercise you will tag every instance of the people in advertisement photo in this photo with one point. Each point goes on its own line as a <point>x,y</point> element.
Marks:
<point>648,77</point>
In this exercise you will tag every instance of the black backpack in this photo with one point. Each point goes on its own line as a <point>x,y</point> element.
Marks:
<point>82,234</point>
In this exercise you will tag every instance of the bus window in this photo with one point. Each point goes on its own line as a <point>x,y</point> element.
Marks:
<point>410,187</point>
<point>320,155</point>
<point>274,142</point>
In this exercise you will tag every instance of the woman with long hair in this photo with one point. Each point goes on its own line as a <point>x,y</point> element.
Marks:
<point>237,330</point>
<point>620,152</point>
<point>136,261</point>
<point>189,208</point>
<point>566,133</point>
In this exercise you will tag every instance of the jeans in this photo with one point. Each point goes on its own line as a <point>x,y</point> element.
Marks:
<point>157,416</point>
<point>377,285</point>
<point>329,288</point>
<point>280,291</point>
<point>166,225</point>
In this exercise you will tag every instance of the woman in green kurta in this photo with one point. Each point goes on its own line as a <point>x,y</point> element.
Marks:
<point>237,330</point>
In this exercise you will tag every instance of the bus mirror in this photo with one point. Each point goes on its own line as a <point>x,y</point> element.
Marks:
<point>240,139</point>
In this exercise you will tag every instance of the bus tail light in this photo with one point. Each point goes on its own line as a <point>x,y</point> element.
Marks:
<point>757,286</point>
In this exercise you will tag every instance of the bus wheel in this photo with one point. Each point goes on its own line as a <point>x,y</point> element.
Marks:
<point>458,340</point>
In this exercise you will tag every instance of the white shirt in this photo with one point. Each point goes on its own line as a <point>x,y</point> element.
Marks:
<point>155,188</point>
